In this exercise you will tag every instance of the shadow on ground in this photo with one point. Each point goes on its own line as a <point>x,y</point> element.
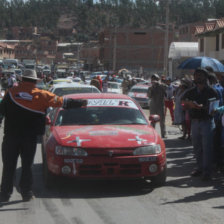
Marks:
<point>69,188</point>
<point>180,162</point>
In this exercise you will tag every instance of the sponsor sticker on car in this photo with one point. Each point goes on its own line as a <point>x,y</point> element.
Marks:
<point>111,103</point>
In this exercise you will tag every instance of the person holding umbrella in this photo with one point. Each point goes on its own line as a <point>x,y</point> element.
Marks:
<point>197,100</point>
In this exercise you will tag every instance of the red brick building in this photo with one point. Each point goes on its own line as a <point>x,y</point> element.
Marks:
<point>90,54</point>
<point>134,48</point>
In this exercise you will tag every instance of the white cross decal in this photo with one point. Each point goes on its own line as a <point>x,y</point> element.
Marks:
<point>79,141</point>
<point>138,139</point>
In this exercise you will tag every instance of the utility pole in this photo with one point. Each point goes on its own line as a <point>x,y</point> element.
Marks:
<point>115,49</point>
<point>166,39</point>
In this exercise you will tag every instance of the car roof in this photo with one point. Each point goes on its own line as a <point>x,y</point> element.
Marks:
<point>140,87</point>
<point>71,84</point>
<point>98,96</point>
<point>114,82</point>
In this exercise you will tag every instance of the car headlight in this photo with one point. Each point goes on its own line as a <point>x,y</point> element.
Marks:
<point>147,150</point>
<point>69,151</point>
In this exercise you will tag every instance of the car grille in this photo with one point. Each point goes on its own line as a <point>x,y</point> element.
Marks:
<point>109,169</point>
<point>110,152</point>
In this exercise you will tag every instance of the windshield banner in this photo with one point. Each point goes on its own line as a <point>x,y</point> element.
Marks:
<point>111,103</point>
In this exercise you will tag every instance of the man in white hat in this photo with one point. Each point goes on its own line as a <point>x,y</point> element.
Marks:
<point>24,108</point>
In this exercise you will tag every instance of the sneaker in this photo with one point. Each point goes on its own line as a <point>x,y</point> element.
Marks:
<point>4,197</point>
<point>196,173</point>
<point>27,196</point>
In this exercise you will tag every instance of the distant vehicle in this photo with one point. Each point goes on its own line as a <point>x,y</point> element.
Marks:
<point>84,73</point>
<point>77,79</point>
<point>62,89</point>
<point>139,93</point>
<point>30,66</point>
<point>46,72</point>
<point>10,63</point>
<point>61,73</point>
<point>92,75</point>
<point>56,81</point>
<point>109,138</point>
<point>87,80</point>
<point>114,87</point>
<point>144,83</point>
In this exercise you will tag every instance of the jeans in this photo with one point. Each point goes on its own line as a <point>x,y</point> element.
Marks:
<point>202,139</point>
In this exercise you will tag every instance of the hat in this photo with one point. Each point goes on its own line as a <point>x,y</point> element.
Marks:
<point>30,74</point>
<point>155,76</point>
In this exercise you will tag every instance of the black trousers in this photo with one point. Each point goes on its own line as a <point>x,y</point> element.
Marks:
<point>13,147</point>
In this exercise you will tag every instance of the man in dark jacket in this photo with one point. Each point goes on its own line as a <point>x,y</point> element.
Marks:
<point>198,99</point>
<point>23,108</point>
<point>156,94</point>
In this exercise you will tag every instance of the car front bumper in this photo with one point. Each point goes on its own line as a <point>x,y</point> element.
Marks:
<point>119,167</point>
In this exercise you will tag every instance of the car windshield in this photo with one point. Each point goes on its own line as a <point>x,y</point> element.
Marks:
<point>65,91</point>
<point>100,116</point>
<point>139,90</point>
<point>112,85</point>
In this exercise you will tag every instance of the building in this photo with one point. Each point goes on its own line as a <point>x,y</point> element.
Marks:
<point>134,48</point>
<point>64,51</point>
<point>178,52</point>
<point>7,50</point>
<point>211,39</point>
<point>186,32</point>
<point>90,54</point>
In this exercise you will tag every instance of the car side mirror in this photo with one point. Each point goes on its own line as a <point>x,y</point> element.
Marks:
<point>154,118</point>
<point>48,121</point>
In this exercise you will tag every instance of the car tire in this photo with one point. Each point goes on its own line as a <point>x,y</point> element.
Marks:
<point>48,177</point>
<point>160,179</point>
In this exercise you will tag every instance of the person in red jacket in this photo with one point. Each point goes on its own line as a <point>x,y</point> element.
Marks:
<point>24,107</point>
<point>101,82</point>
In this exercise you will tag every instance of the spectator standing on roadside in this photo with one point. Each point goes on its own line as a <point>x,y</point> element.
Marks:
<point>105,84</point>
<point>95,82</point>
<point>101,83</point>
<point>169,99</point>
<point>202,123</point>
<point>156,94</point>
<point>179,111</point>
<point>125,85</point>
<point>24,107</point>
<point>218,149</point>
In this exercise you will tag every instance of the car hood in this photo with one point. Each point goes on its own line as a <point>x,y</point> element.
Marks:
<point>105,136</point>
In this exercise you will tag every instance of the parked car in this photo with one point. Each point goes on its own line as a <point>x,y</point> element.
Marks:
<point>114,87</point>
<point>71,88</point>
<point>56,81</point>
<point>139,93</point>
<point>109,138</point>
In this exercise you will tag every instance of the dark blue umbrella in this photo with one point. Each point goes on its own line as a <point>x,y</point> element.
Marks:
<point>202,62</point>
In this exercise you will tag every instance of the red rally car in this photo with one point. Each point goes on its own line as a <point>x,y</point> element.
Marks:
<point>109,138</point>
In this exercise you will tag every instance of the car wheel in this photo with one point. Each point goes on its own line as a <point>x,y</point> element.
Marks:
<point>160,179</point>
<point>49,178</point>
